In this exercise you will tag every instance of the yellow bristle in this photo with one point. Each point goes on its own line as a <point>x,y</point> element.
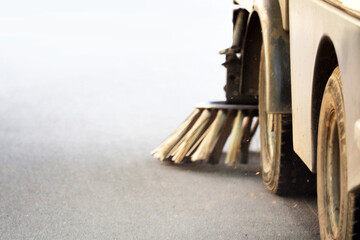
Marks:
<point>175,149</point>
<point>165,147</point>
<point>234,148</point>
<point>203,134</point>
<point>246,136</point>
<point>194,146</point>
<point>223,136</point>
<point>191,136</point>
<point>206,146</point>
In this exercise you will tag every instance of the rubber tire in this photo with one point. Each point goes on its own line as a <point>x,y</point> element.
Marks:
<point>332,114</point>
<point>283,172</point>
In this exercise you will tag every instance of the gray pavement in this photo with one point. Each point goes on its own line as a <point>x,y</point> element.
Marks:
<point>84,99</point>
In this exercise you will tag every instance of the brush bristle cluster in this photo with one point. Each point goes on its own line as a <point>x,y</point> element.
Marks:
<point>202,137</point>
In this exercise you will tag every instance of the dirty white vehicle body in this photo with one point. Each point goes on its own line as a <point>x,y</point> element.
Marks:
<point>301,59</point>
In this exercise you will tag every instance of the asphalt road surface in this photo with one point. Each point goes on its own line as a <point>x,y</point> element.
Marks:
<point>86,92</point>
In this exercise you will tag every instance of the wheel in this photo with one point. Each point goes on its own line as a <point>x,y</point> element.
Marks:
<point>282,171</point>
<point>338,215</point>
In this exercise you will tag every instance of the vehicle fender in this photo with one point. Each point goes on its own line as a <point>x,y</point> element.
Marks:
<point>277,57</point>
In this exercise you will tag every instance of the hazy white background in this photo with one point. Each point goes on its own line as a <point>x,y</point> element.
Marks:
<point>143,59</point>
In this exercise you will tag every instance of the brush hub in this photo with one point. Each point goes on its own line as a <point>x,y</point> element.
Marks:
<point>218,105</point>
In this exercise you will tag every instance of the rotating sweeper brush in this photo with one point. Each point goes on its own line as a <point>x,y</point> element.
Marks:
<point>203,135</point>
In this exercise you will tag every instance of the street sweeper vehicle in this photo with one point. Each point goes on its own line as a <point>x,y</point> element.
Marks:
<point>294,65</point>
